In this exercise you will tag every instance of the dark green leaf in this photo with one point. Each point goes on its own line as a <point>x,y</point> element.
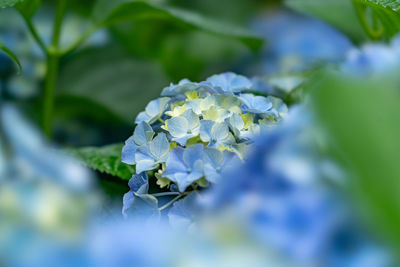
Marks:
<point>113,79</point>
<point>386,10</point>
<point>105,159</point>
<point>363,119</point>
<point>9,3</point>
<point>107,13</point>
<point>339,13</point>
<point>11,55</point>
<point>28,7</point>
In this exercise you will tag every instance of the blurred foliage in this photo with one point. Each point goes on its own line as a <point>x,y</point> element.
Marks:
<point>112,79</point>
<point>338,13</point>
<point>362,117</point>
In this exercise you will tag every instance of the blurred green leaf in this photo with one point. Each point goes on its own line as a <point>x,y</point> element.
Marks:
<point>28,7</point>
<point>6,50</point>
<point>113,79</point>
<point>9,3</point>
<point>386,10</point>
<point>363,119</point>
<point>107,13</point>
<point>339,13</point>
<point>105,159</point>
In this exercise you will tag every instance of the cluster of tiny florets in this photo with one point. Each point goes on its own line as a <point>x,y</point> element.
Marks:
<point>195,130</point>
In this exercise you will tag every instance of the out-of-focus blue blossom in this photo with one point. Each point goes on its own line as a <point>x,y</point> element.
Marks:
<point>373,59</point>
<point>216,162</point>
<point>281,196</point>
<point>219,113</point>
<point>296,42</point>
<point>184,165</point>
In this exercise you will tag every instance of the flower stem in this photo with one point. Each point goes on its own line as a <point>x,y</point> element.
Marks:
<point>53,60</point>
<point>170,202</point>
<point>35,34</point>
<point>165,194</point>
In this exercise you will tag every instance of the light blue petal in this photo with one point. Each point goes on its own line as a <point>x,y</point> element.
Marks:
<point>213,156</point>
<point>159,147</point>
<point>230,82</point>
<point>144,160</point>
<point>175,162</point>
<point>143,133</point>
<point>177,127</point>
<point>180,88</point>
<point>127,202</point>
<point>142,117</point>
<point>192,154</point>
<point>255,104</point>
<point>219,132</point>
<point>205,130</point>
<point>128,151</point>
<point>139,183</point>
<point>192,119</point>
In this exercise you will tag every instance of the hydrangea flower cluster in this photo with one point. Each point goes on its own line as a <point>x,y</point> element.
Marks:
<point>194,131</point>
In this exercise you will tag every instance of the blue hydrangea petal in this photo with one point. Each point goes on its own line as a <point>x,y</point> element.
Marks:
<point>205,130</point>
<point>255,104</point>
<point>128,151</point>
<point>159,147</point>
<point>192,154</point>
<point>175,162</point>
<point>230,82</point>
<point>144,160</point>
<point>192,119</point>
<point>219,131</point>
<point>138,184</point>
<point>178,126</point>
<point>183,86</point>
<point>143,133</point>
<point>142,116</point>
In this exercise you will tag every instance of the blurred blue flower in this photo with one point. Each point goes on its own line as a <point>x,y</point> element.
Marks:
<point>217,162</point>
<point>185,165</point>
<point>296,42</point>
<point>280,195</point>
<point>373,59</point>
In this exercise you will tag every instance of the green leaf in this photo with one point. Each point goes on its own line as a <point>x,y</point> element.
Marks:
<point>28,7</point>
<point>112,79</point>
<point>105,159</point>
<point>107,13</point>
<point>9,3</point>
<point>338,13</point>
<point>387,12</point>
<point>363,119</point>
<point>11,55</point>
